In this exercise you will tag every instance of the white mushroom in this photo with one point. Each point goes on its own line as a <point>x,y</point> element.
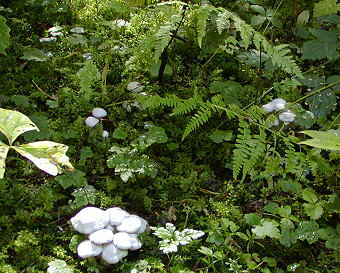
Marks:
<point>78,30</point>
<point>269,107</point>
<point>90,219</point>
<point>279,104</point>
<point>112,255</point>
<point>91,121</point>
<point>287,116</point>
<point>131,224</point>
<point>87,249</point>
<point>99,112</point>
<point>116,215</point>
<point>100,237</point>
<point>143,226</point>
<point>125,241</point>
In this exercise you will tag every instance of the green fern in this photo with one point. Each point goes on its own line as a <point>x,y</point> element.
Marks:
<point>202,15</point>
<point>249,149</point>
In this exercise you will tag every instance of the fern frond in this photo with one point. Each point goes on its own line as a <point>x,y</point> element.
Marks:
<point>202,16</point>
<point>163,35</point>
<point>249,149</point>
<point>156,101</point>
<point>187,106</point>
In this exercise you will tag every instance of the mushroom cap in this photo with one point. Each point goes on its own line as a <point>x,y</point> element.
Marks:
<point>269,107</point>
<point>87,249</point>
<point>279,104</point>
<point>99,112</point>
<point>90,219</point>
<point>125,241</point>
<point>116,215</point>
<point>100,237</point>
<point>287,116</point>
<point>112,255</point>
<point>91,121</point>
<point>78,30</point>
<point>132,224</point>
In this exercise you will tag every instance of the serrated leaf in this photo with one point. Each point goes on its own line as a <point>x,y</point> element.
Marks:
<point>308,230</point>
<point>13,124</point>
<point>3,155</point>
<point>58,266</point>
<point>83,197</point>
<point>309,195</point>
<point>326,7</point>
<point>46,155</point>
<point>267,228</point>
<point>329,140</point>
<point>314,211</point>
<point>34,54</point>
<point>4,34</point>
<point>88,75</point>
<point>119,133</point>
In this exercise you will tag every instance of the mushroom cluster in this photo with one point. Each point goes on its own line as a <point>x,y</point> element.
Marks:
<point>279,104</point>
<point>97,114</point>
<point>111,233</point>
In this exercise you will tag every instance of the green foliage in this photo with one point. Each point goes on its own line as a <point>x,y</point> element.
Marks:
<point>4,33</point>
<point>325,7</point>
<point>88,75</point>
<point>58,266</point>
<point>46,155</point>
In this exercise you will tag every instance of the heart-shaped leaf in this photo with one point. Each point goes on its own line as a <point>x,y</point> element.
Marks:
<point>13,124</point>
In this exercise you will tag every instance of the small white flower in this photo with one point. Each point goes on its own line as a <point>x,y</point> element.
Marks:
<point>105,134</point>
<point>78,30</point>
<point>99,112</point>
<point>287,116</point>
<point>91,121</point>
<point>121,23</point>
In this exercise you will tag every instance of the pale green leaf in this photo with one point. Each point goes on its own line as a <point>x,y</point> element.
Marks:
<point>4,34</point>
<point>267,228</point>
<point>58,266</point>
<point>308,230</point>
<point>257,20</point>
<point>326,7</point>
<point>258,9</point>
<point>34,54</point>
<point>13,124</point>
<point>72,179</point>
<point>303,17</point>
<point>309,195</point>
<point>46,155</point>
<point>329,140</point>
<point>314,211</point>
<point>3,154</point>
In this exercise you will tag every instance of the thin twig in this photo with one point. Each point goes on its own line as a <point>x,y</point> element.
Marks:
<point>42,91</point>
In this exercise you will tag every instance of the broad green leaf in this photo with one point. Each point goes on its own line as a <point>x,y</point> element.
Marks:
<point>3,154</point>
<point>257,20</point>
<point>329,140</point>
<point>13,124</point>
<point>326,7</point>
<point>267,228</point>
<point>4,34</point>
<point>58,266</point>
<point>318,50</point>
<point>258,9</point>
<point>252,219</point>
<point>119,133</point>
<point>322,104</point>
<point>314,211</point>
<point>34,54</point>
<point>72,179</point>
<point>46,155</point>
<point>309,195</point>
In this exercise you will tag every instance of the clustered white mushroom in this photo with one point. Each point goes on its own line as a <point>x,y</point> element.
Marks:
<point>279,104</point>
<point>111,233</point>
<point>97,114</point>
